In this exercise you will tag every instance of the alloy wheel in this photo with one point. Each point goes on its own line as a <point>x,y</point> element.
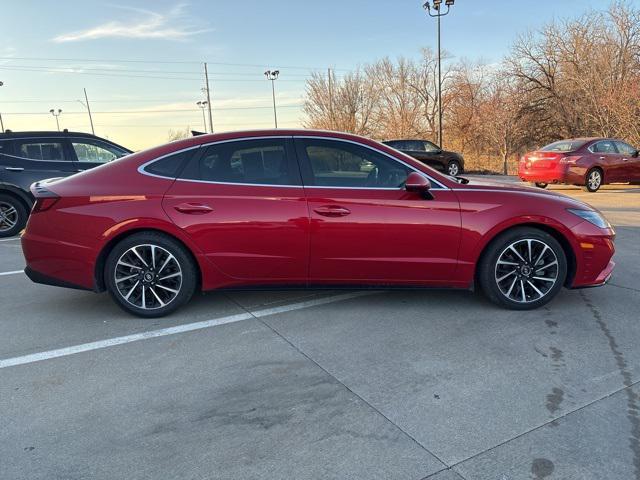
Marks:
<point>148,276</point>
<point>526,270</point>
<point>453,169</point>
<point>594,180</point>
<point>8,217</point>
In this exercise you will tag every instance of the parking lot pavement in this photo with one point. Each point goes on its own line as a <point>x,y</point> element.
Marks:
<point>402,384</point>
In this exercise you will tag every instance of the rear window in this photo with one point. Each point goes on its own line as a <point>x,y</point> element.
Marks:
<point>169,166</point>
<point>563,146</point>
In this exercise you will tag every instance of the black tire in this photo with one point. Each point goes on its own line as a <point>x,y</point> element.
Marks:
<point>16,216</point>
<point>453,168</point>
<point>590,184</point>
<point>158,298</point>
<point>488,269</point>
<point>541,185</point>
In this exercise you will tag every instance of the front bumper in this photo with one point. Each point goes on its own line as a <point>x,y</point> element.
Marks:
<point>594,251</point>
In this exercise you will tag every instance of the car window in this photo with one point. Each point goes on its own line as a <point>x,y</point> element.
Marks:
<point>95,152</point>
<point>170,165</point>
<point>43,150</point>
<point>625,148</point>
<point>605,146</point>
<point>342,164</point>
<point>259,162</point>
<point>563,146</point>
<point>430,147</point>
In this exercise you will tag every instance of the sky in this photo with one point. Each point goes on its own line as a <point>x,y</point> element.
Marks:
<point>141,61</point>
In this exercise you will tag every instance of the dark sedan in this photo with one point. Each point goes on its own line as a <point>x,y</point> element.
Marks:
<point>429,153</point>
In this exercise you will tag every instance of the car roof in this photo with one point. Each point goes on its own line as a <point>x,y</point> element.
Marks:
<point>407,140</point>
<point>8,134</point>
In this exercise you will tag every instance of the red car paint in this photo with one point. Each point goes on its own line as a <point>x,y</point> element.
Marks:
<point>571,167</point>
<point>256,235</point>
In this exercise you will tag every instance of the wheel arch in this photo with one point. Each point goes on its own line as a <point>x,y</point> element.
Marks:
<point>98,273</point>
<point>551,230</point>
<point>16,193</point>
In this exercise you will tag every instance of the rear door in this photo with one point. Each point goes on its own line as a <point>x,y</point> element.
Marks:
<point>27,160</point>
<point>242,202</point>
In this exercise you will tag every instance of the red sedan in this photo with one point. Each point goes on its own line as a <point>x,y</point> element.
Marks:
<point>588,162</point>
<point>303,208</point>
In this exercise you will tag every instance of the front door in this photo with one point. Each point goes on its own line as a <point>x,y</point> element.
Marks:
<point>365,227</point>
<point>243,204</point>
<point>630,162</point>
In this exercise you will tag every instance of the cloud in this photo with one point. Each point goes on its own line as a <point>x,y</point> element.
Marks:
<point>171,25</point>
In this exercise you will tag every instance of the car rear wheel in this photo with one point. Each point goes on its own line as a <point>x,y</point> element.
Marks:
<point>150,275</point>
<point>453,168</point>
<point>523,269</point>
<point>13,216</point>
<point>593,180</point>
<point>541,185</point>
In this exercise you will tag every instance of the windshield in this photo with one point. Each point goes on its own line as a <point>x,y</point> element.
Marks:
<point>563,146</point>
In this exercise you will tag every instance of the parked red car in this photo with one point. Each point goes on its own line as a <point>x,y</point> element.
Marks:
<point>588,162</point>
<point>303,208</point>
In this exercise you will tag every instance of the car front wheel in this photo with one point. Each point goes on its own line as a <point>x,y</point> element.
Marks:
<point>13,216</point>
<point>523,269</point>
<point>150,275</point>
<point>542,185</point>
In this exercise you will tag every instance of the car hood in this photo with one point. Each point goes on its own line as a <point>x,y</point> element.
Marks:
<point>519,188</point>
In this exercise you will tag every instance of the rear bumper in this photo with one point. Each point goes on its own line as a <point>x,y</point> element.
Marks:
<point>37,277</point>
<point>559,173</point>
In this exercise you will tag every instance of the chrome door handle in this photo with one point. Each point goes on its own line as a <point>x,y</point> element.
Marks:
<point>14,169</point>
<point>601,158</point>
<point>332,211</point>
<point>193,208</point>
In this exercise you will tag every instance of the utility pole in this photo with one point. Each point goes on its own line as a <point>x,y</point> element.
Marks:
<point>331,100</point>
<point>206,77</point>
<point>272,75</point>
<point>437,4</point>
<point>89,110</point>
<point>56,114</point>
<point>1,124</point>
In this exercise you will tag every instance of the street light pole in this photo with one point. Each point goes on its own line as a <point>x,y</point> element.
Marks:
<point>56,114</point>
<point>86,105</point>
<point>273,76</point>
<point>202,106</point>
<point>437,4</point>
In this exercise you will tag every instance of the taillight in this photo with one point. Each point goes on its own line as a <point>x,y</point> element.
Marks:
<point>45,198</point>
<point>43,204</point>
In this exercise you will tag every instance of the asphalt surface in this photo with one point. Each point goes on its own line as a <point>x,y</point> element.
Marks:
<point>306,385</point>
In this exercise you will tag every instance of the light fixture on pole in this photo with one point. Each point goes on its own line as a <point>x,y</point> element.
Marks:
<point>273,76</point>
<point>56,113</point>
<point>437,7</point>
<point>202,105</point>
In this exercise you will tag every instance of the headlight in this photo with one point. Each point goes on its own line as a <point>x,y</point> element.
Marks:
<point>591,216</point>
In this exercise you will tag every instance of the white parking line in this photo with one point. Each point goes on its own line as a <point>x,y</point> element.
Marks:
<point>163,332</point>
<point>9,239</point>
<point>14,272</point>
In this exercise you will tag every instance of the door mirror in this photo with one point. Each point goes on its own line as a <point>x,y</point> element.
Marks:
<point>418,183</point>
<point>635,154</point>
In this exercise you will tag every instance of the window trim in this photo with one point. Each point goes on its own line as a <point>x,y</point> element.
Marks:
<point>140,169</point>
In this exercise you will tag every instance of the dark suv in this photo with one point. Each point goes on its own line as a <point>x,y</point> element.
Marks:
<point>451,163</point>
<point>26,157</point>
